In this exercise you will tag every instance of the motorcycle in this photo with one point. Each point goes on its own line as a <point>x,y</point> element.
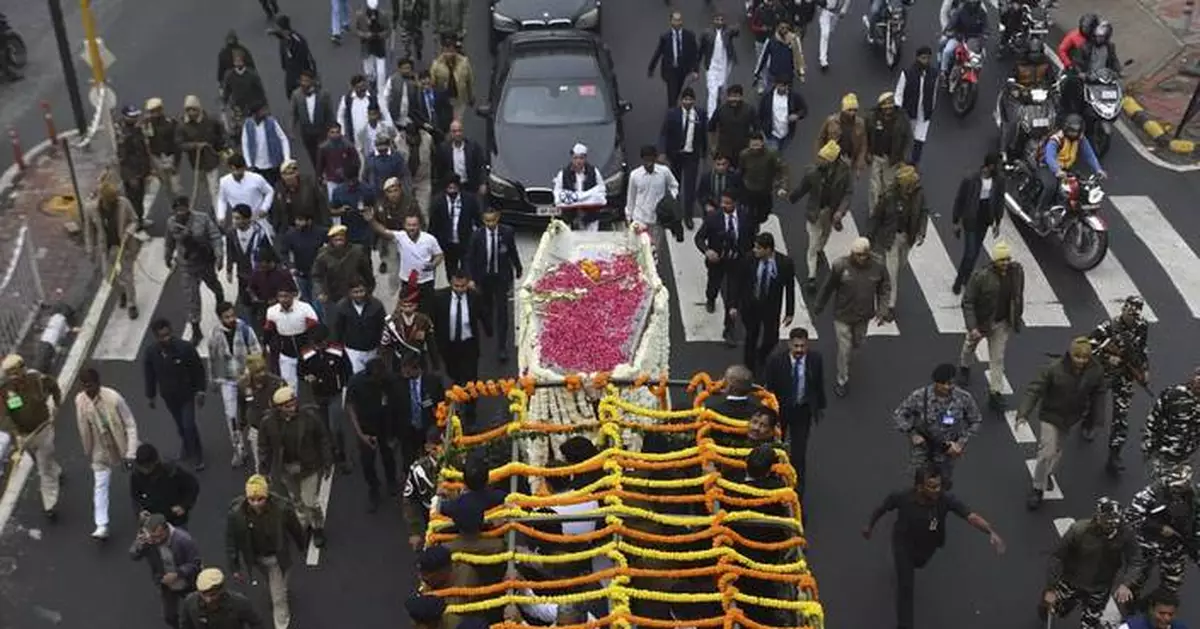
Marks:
<point>1035,22</point>
<point>1073,219</point>
<point>963,81</point>
<point>1034,115</point>
<point>1102,93</point>
<point>889,31</point>
<point>13,54</point>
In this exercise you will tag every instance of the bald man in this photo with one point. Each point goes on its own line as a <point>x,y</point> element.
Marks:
<point>462,156</point>
<point>860,286</point>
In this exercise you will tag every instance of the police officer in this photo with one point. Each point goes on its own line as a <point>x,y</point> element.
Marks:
<point>1164,516</point>
<point>1172,433</point>
<point>1094,554</point>
<point>938,418</point>
<point>1120,343</point>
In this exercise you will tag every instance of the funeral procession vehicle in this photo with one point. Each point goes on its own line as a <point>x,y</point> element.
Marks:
<point>550,91</point>
<point>510,16</point>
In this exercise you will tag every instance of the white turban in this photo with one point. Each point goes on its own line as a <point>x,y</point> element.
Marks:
<point>579,150</point>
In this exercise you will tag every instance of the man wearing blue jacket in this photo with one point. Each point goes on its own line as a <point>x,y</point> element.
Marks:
<point>1059,154</point>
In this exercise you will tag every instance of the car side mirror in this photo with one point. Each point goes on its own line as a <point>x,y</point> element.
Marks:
<point>484,110</point>
<point>624,106</point>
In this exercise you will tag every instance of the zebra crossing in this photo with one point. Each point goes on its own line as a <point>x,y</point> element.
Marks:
<point>932,266</point>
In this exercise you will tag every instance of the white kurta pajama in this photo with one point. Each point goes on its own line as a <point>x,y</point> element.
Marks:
<point>920,124</point>
<point>645,191</point>
<point>110,437</point>
<point>718,71</point>
<point>831,12</point>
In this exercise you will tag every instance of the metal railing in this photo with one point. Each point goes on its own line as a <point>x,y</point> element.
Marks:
<point>21,291</point>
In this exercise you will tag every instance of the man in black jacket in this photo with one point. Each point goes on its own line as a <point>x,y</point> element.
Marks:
<point>736,402</point>
<point>715,182</point>
<point>374,401</point>
<point>725,238</point>
<point>684,140</point>
<point>978,205</point>
<point>294,54</point>
<point>474,160</point>
<point>679,53</point>
<point>494,262</point>
<point>422,393</point>
<point>324,371</point>
<point>765,283</point>
<point>433,109</point>
<point>212,606</point>
<point>173,369</point>
<point>453,217</point>
<point>779,110</point>
<point>356,322</point>
<point>458,320</point>
<point>797,378</point>
<point>159,486</point>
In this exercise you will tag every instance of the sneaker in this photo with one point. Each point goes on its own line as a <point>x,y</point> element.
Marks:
<point>100,534</point>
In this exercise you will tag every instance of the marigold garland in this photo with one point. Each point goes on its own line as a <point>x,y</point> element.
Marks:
<point>728,502</point>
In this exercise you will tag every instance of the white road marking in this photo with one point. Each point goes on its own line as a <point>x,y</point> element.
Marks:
<point>1056,493</point>
<point>314,554</point>
<point>838,246</point>
<point>1112,285</point>
<point>1022,433</point>
<point>1042,307</point>
<point>1112,614</point>
<point>687,267</point>
<point>122,338</point>
<point>935,272</point>
<point>1173,254</point>
<point>208,311</point>
<point>801,319</point>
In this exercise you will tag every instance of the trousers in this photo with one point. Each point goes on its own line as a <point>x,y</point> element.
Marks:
<point>895,257</point>
<point>184,414</point>
<point>850,337</point>
<point>1068,596</point>
<point>762,333</point>
<point>1121,387</point>
<point>193,276</point>
<point>171,600</point>
<point>827,21</point>
<point>907,561</point>
<point>1171,558</point>
<point>229,402</point>
<point>715,79</point>
<point>359,359</point>
<point>1049,453</point>
<point>387,456</point>
<point>166,171</point>
<point>123,280</point>
<point>304,491</point>
<point>926,456</point>
<point>881,176</point>
<point>797,422</point>
<point>818,237</point>
<point>972,246</point>
<point>287,370</point>
<point>495,306</point>
<point>375,69</point>
<point>281,611</point>
<point>997,339</point>
<point>339,17</point>
<point>101,479</point>
<point>41,448</point>
<point>717,282</point>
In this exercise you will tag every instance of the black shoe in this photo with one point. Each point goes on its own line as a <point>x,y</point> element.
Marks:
<point>1050,485</point>
<point>51,515</point>
<point>336,40</point>
<point>502,356</point>
<point>964,377</point>
<point>689,223</point>
<point>133,312</point>
<point>996,402</point>
<point>1114,466</point>
<point>383,267</point>
<point>840,389</point>
<point>809,286</point>
<point>957,288</point>
<point>199,467</point>
<point>1089,433</point>
<point>318,538</point>
<point>1034,501</point>
<point>710,307</point>
<point>824,68</point>
<point>373,503</point>
<point>730,338</point>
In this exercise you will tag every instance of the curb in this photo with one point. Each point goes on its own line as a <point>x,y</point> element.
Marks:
<point>1158,131</point>
<point>12,175</point>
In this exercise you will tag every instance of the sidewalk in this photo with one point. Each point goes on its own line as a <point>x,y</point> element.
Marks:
<point>42,198</point>
<point>1163,39</point>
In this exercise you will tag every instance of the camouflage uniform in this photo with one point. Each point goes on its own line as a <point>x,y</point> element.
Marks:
<point>940,420</point>
<point>1094,555</point>
<point>1121,346</point>
<point>1172,433</point>
<point>410,17</point>
<point>1169,501</point>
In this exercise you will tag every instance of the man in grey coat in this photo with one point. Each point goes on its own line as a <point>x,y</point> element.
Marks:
<point>194,240</point>
<point>174,561</point>
<point>859,286</point>
<point>449,17</point>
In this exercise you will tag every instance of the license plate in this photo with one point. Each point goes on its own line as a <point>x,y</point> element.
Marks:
<point>548,210</point>
<point>1108,93</point>
<point>1041,122</point>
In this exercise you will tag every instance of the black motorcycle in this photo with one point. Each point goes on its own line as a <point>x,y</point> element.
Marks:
<point>1033,112</point>
<point>1073,219</point>
<point>1102,96</point>
<point>1034,21</point>
<point>888,32</point>
<point>13,55</point>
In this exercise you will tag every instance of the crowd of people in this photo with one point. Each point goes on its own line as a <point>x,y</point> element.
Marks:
<point>311,368</point>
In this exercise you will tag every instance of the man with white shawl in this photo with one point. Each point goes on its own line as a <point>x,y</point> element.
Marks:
<point>110,439</point>
<point>579,190</point>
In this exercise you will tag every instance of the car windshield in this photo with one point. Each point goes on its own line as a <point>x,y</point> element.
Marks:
<point>536,98</point>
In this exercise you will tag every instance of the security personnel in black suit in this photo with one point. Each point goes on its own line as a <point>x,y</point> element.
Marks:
<point>797,378</point>
<point>453,217</point>
<point>433,107</point>
<point>679,52</point>
<point>715,182</point>
<point>493,260</point>
<point>458,320</point>
<point>683,154</point>
<point>766,283</point>
<point>474,160</point>
<point>725,238</point>
<point>736,402</point>
<point>422,391</point>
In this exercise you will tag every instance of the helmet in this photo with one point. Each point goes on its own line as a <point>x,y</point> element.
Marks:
<point>1177,476</point>
<point>1108,513</point>
<point>1102,33</point>
<point>1073,126</point>
<point>131,112</point>
<point>1088,22</point>
<point>1133,304</point>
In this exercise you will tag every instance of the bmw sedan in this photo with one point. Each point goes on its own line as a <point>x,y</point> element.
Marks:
<point>510,16</point>
<point>551,90</point>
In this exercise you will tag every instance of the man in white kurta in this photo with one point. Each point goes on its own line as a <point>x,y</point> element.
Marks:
<point>831,12</point>
<point>580,184</point>
<point>242,187</point>
<point>719,61</point>
<point>110,439</point>
<point>648,184</point>
<point>925,76</point>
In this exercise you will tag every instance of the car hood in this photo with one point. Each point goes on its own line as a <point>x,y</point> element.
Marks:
<point>532,156</point>
<point>542,9</point>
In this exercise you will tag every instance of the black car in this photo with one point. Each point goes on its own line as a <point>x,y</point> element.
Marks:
<point>510,16</point>
<point>551,90</point>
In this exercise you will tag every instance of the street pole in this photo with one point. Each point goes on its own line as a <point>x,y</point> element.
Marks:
<point>89,33</point>
<point>68,63</point>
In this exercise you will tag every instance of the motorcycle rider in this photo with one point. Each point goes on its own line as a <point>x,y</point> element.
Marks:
<point>1011,24</point>
<point>876,15</point>
<point>968,22</point>
<point>1058,156</point>
<point>1166,518</point>
<point>1096,52</point>
<point>1076,38</point>
<point>1094,555</point>
<point>1032,70</point>
<point>1121,343</point>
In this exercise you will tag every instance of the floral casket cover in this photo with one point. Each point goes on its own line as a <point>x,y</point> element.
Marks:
<point>590,302</point>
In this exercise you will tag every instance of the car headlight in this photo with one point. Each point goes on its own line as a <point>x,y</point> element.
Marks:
<point>613,185</point>
<point>1095,196</point>
<point>503,188</point>
<point>504,23</point>
<point>589,20</point>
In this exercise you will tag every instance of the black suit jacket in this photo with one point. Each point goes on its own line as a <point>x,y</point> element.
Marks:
<point>673,134</point>
<point>432,392</point>
<point>778,379</point>
<point>707,193</point>
<point>781,290</point>
<point>442,114</point>
<point>708,42</point>
<point>508,261</point>
<point>443,322</point>
<point>689,54</point>
<point>712,234</point>
<point>974,214</point>
<point>440,223</point>
<point>476,161</point>
<point>766,105</point>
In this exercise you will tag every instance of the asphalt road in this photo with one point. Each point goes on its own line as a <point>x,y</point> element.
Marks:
<point>364,574</point>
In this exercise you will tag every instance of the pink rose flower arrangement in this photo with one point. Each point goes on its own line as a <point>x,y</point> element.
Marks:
<point>591,313</point>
